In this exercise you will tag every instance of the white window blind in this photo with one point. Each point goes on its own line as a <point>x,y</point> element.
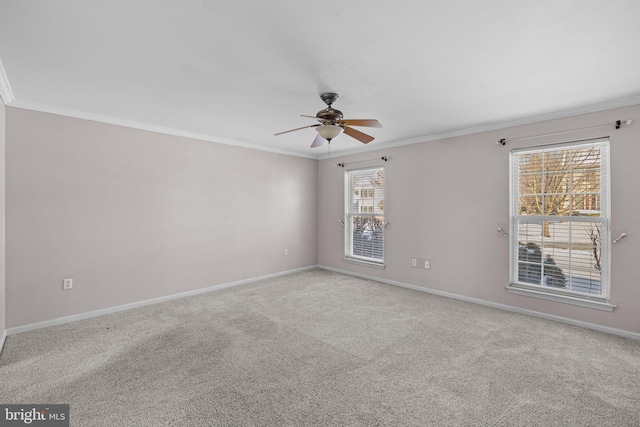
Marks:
<point>364,215</point>
<point>560,219</point>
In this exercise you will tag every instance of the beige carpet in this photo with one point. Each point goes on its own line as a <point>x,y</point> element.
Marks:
<point>321,348</point>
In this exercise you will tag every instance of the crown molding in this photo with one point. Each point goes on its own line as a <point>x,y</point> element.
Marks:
<point>561,114</point>
<point>151,128</point>
<point>5,88</point>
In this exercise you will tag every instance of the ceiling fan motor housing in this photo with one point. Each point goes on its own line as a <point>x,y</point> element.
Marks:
<point>329,114</point>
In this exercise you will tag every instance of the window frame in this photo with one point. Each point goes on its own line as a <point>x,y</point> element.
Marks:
<point>349,256</point>
<point>602,301</point>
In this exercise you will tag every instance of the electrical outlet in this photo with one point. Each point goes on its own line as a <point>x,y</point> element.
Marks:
<point>286,251</point>
<point>414,262</point>
<point>427,264</point>
<point>67,284</point>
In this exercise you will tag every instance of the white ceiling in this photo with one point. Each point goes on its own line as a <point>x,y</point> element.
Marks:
<point>240,71</point>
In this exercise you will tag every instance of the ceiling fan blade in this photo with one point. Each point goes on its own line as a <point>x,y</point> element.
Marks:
<point>362,137</point>
<point>292,130</point>
<point>372,123</point>
<point>318,142</point>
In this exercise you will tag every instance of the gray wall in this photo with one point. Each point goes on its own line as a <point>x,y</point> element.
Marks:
<point>445,199</point>
<point>133,215</point>
<point>2,216</point>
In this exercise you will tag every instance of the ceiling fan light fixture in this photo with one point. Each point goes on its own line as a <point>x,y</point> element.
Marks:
<point>329,132</point>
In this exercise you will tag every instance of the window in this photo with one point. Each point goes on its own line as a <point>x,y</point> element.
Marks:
<point>364,216</point>
<point>560,222</point>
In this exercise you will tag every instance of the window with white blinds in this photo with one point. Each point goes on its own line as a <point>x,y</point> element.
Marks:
<point>560,219</point>
<point>364,216</point>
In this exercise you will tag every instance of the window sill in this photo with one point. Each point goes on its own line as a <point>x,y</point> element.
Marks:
<point>574,300</point>
<point>365,263</point>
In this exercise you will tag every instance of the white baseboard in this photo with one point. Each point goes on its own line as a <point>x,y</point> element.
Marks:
<point>4,337</point>
<point>560,319</point>
<point>96,313</point>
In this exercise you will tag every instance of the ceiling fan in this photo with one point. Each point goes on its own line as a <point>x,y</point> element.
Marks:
<point>332,124</point>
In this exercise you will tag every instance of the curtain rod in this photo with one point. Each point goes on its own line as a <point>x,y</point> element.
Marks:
<point>618,124</point>
<point>385,158</point>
